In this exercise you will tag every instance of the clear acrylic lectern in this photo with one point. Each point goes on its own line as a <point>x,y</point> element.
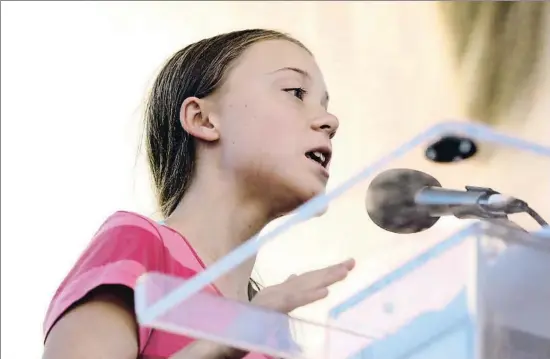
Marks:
<point>459,290</point>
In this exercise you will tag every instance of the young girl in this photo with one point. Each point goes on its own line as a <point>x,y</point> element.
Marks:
<point>237,134</point>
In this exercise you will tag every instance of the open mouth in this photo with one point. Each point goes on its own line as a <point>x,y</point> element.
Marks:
<point>319,156</point>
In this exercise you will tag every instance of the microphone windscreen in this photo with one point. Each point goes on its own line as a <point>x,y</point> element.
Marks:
<point>390,201</point>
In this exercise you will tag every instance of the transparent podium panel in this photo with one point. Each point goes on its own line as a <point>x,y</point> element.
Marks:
<point>482,293</point>
<point>208,316</point>
<point>431,264</point>
<point>514,294</point>
<point>424,307</point>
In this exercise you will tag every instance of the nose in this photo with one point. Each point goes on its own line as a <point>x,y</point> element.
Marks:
<point>327,123</point>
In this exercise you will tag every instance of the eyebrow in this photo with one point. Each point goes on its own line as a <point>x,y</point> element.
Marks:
<point>295,69</point>
<point>305,74</point>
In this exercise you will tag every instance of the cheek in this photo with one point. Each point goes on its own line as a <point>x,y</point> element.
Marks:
<point>262,131</point>
<point>242,137</point>
<point>266,124</point>
<point>277,122</point>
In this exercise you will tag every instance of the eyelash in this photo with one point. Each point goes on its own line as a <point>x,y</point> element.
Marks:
<point>299,92</point>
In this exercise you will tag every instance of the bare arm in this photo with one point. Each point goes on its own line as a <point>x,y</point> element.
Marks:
<point>105,328</point>
<point>102,328</point>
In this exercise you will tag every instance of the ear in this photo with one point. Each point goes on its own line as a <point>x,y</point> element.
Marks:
<point>194,118</point>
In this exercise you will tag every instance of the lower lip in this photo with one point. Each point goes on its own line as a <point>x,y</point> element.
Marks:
<point>324,171</point>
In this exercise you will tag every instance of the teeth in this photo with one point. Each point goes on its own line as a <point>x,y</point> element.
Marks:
<point>320,156</point>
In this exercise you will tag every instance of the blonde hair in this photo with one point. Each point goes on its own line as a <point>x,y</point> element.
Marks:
<point>497,47</point>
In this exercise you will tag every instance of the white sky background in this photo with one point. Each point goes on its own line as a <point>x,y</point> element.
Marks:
<point>74,76</point>
<point>70,105</point>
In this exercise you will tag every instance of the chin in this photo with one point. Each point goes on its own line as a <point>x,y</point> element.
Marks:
<point>307,190</point>
<point>312,194</point>
<point>296,192</point>
<point>323,210</point>
<point>305,194</point>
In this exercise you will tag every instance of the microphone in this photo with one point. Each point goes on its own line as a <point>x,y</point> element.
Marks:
<point>409,201</point>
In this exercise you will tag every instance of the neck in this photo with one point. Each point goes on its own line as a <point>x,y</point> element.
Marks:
<point>216,219</point>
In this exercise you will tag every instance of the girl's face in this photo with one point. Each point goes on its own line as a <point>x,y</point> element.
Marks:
<point>274,128</point>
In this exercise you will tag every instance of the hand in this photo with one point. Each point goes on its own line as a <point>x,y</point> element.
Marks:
<point>300,290</point>
<point>295,292</point>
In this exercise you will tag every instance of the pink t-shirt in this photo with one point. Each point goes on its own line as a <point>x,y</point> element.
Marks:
<point>126,246</point>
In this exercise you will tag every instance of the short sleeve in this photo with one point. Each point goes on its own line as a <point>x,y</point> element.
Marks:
<point>125,247</point>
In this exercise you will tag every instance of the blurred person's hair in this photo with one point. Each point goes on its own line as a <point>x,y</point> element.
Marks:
<point>497,46</point>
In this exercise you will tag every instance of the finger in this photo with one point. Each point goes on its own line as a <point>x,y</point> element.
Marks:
<point>349,263</point>
<point>343,266</point>
<point>324,277</point>
<point>307,297</point>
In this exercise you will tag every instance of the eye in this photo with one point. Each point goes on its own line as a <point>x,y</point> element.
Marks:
<point>297,92</point>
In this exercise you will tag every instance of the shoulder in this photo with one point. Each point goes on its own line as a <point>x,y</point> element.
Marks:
<point>126,246</point>
<point>124,223</point>
<point>124,239</point>
<point>130,234</point>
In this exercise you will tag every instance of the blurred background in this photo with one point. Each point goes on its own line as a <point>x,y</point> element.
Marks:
<point>75,76</point>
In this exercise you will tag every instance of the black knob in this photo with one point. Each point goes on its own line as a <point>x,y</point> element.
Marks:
<point>449,149</point>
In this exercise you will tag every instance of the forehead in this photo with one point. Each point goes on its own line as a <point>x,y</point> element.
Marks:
<point>266,57</point>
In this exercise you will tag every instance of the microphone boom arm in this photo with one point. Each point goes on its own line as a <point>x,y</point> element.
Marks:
<point>487,210</point>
